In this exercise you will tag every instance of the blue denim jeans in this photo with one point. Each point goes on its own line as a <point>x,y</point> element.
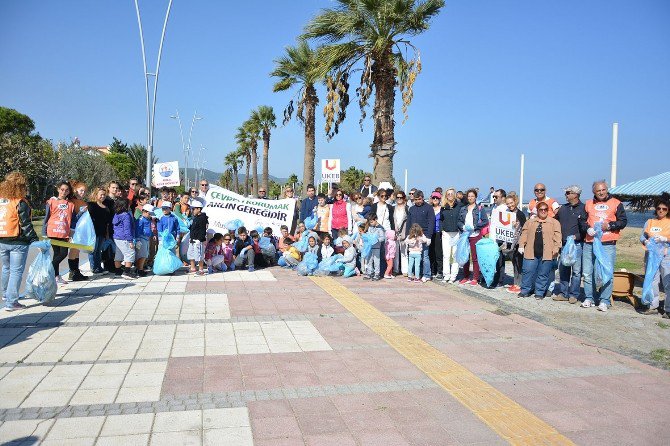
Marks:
<point>414,269</point>
<point>536,274</point>
<point>13,263</point>
<point>571,276</point>
<point>662,274</point>
<point>588,267</point>
<point>425,258</point>
<point>95,257</point>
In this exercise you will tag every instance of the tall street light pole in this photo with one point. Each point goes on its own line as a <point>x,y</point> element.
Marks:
<point>183,147</point>
<point>200,163</point>
<point>151,108</point>
<point>190,132</point>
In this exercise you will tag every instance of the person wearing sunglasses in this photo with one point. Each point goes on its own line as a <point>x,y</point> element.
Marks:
<point>572,217</point>
<point>610,213</point>
<point>658,230</point>
<point>400,223</point>
<point>367,189</point>
<point>340,214</point>
<point>384,213</point>
<point>204,188</point>
<point>541,197</point>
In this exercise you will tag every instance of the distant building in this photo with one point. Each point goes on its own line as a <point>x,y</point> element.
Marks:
<point>91,150</point>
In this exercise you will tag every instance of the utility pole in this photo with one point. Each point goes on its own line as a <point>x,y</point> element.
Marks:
<point>615,149</point>
<point>151,109</point>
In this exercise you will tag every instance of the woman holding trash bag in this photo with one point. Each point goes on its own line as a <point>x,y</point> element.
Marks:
<point>101,215</point>
<point>540,242</point>
<point>473,220</point>
<point>59,220</point>
<point>16,233</point>
<point>78,198</point>
<point>509,250</point>
<point>658,230</point>
<point>400,222</point>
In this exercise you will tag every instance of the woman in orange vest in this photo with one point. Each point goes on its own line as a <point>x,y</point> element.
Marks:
<point>80,206</point>
<point>659,229</point>
<point>59,221</point>
<point>16,233</point>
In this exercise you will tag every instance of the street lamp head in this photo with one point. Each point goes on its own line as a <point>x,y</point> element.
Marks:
<point>174,117</point>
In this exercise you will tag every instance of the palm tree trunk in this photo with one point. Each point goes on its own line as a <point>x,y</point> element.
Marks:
<point>236,181</point>
<point>266,154</point>
<point>254,168</point>
<point>310,138</point>
<point>383,145</point>
<point>246,179</point>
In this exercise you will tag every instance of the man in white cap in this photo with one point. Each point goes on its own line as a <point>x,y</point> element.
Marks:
<point>572,216</point>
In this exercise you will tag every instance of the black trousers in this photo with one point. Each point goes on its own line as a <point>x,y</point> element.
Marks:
<point>60,253</point>
<point>435,253</point>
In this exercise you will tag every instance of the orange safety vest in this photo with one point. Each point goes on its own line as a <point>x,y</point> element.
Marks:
<point>532,204</point>
<point>657,228</point>
<point>60,218</point>
<point>603,211</point>
<point>9,217</point>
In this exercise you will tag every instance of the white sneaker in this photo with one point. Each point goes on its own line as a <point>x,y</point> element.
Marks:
<point>602,307</point>
<point>452,280</point>
<point>61,281</point>
<point>587,304</point>
<point>425,279</point>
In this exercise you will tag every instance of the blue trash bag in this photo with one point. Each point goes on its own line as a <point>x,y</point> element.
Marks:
<point>310,222</point>
<point>282,262</point>
<point>349,271</point>
<point>369,240</point>
<point>603,269</point>
<point>329,265</point>
<point>166,261</point>
<point>569,252</point>
<point>184,224</point>
<point>233,225</point>
<point>41,278</point>
<point>267,248</point>
<point>158,213</point>
<point>338,241</point>
<point>260,230</point>
<point>308,264</point>
<point>84,232</point>
<point>463,248</point>
<point>654,258</point>
<point>487,257</point>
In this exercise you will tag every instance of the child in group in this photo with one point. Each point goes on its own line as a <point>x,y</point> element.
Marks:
<point>168,221</point>
<point>299,231</point>
<point>260,261</point>
<point>124,235</point>
<point>243,251</point>
<point>143,233</point>
<point>326,249</point>
<point>322,212</point>
<point>267,232</point>
<point>312,245</point>
<point>349,257</point>
<point>197,236</point>
<point>282,245</point>
<point>374,261</point>
<point>414,242</point>
<point>338,246</point>
<point>214,256</point>
<point>390,253</point>
<point>228,258</point>
<point>358,243</point>
<point>367,207</point>
<point>291,256</point>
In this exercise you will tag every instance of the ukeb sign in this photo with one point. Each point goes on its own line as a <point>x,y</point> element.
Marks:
<point>503,226</point>
<point>330,171</point>
<point>166,174</point>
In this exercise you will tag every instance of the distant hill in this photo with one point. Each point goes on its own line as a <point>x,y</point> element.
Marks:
<point>213,177</point>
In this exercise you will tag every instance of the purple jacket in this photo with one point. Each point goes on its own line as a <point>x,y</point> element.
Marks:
<point>123,224</point>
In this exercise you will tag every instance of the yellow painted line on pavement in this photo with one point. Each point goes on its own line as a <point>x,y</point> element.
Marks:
<point>507,418</point>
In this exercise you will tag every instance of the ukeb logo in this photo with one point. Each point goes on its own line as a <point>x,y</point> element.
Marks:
<point>601,207</point>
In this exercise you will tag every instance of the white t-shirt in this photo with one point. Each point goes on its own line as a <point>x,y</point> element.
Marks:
<point>383,216</point>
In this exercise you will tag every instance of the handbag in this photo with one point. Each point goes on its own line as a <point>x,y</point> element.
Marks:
<point>486,229</point>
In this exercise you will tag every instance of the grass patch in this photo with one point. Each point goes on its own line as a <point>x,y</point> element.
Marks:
<point>627,264</point>
<point>661,355</point>
<point>663,325</point>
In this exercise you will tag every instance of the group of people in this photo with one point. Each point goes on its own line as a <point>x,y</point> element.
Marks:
<point>406,235</point>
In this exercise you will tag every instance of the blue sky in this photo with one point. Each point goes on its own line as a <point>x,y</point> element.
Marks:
<point>499,78</point>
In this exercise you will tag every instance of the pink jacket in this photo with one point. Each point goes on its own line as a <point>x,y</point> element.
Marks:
<point>390,245</point>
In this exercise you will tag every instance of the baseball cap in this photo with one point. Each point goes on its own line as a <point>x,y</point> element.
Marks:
<point>166,204</point>
<point>196,204</point>
<point>149,208</point>
<point>436,195</point>
<point>574,189</point>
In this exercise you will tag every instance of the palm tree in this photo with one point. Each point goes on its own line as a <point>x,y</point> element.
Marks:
<point>299,67</point>
<point>253,132</point>
<point>226,178</point>
<point>234,161</point>
<point>264,118</point>
<point>374,33</point>
<point>244,148</point>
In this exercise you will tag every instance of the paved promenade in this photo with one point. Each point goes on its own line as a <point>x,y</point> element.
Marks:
<point>270,358</point>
